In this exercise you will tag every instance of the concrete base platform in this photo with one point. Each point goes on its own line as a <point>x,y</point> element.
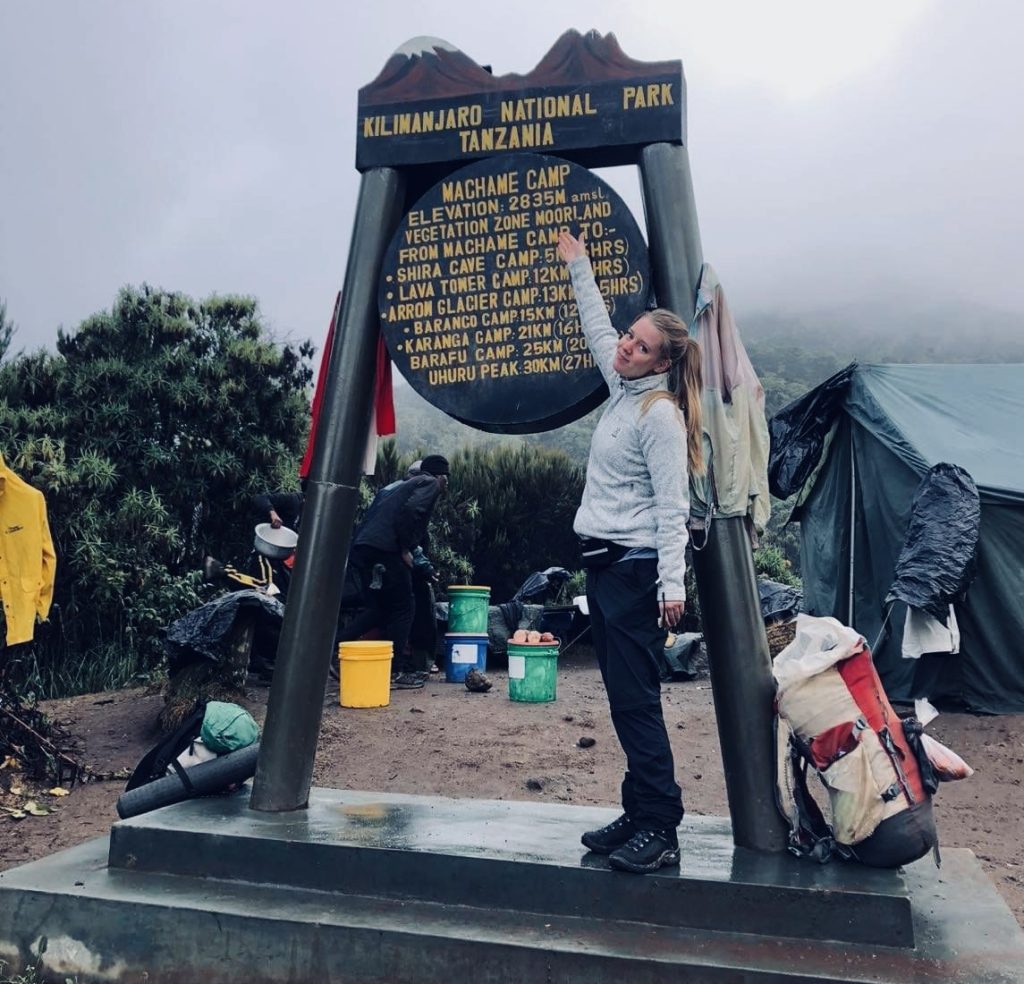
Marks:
<point>378,887</point>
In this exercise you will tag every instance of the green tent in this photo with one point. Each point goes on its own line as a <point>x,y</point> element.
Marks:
<point>883,432</point>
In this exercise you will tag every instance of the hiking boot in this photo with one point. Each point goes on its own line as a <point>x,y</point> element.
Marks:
<point>646,850</point>
<point>607,839</point>
<point>407,681</point>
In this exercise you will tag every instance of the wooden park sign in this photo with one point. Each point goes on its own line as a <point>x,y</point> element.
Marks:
<point>475,306</point>
<point>586,101</point>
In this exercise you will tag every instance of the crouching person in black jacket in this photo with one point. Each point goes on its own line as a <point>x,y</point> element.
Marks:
<point>382,553</point>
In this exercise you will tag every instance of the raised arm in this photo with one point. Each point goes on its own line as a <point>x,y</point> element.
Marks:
<point>597,325</point>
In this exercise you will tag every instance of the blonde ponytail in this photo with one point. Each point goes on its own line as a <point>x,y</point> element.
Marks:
<point>689,397</point>
<point>685,382</point>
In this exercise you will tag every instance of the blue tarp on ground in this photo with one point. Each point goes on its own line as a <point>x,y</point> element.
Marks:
<point>894,423</point>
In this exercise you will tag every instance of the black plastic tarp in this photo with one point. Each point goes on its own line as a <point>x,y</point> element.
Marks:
<point>798,432</point>
<point>205,632</point>
<point>778,601</point>
<point>937,562</point>
<point>540,585</point>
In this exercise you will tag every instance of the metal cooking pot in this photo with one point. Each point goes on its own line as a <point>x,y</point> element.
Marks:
<point>276,544</point>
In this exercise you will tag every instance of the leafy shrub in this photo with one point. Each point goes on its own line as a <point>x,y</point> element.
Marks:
<point>770,562</point>
<point>148,432</point>
<point>507,512</point>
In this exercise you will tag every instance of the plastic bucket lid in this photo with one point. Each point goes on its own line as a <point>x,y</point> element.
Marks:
<point>365,649</point>
<point>534,648</point>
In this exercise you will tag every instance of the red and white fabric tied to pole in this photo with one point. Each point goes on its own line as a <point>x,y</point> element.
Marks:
<point>382,418</point>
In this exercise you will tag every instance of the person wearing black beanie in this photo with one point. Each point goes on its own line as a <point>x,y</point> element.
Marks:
<point>436,465</point>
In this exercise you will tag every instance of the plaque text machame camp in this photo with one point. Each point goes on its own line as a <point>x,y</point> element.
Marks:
<point>477,308</point>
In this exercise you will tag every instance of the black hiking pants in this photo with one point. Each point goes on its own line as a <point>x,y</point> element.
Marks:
<point>389,608</point>
<point>623,603</point>
<point>423,629</point>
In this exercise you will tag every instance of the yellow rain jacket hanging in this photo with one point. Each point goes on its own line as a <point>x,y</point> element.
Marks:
<point>27,560</point>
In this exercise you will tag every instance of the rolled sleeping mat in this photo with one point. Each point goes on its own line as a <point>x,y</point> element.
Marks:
<point>200,780</point>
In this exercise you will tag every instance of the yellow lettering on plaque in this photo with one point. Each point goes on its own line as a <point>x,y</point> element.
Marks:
<point>647,96</point>
<point>547,177</point>
<point>498,370</point>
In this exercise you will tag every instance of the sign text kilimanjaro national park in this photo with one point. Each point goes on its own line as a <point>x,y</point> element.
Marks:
<point>586,101</point>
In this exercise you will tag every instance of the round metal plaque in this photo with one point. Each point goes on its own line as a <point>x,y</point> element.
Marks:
<point>476,307</point>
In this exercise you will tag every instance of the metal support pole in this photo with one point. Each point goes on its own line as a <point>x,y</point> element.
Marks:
<point>672,228</point>
<point>285,769</point>
<point>741,678</point>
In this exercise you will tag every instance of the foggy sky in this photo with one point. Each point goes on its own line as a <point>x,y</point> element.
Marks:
<point>209,146</point>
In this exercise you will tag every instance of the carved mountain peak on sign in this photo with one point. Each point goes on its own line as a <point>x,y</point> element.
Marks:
<point>426,68</point>
<point>423,45</point>
<point>430,68</point>
<point>591,57</point>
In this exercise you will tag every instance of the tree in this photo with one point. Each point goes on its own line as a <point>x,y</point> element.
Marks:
<point>148,432</point>
<point>526,499</point>
<point>508,511</point>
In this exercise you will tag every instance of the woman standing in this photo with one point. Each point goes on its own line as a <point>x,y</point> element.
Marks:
<point>632,523</point>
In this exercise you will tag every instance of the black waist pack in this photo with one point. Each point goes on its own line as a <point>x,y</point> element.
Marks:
<point>599,553</point>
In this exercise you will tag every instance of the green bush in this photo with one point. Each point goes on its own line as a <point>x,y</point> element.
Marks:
<point>148,431</point>
<point>771,563</point>
<point>508,511</point>
<point>526,499</point>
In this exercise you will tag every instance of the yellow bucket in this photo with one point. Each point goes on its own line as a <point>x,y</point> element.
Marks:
<point>364,669</point>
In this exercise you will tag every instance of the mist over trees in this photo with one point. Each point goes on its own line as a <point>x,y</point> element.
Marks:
<point>151,426</point>
<point>792,353</point>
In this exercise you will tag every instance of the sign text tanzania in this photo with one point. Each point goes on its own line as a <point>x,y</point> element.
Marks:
<point>542,122</point>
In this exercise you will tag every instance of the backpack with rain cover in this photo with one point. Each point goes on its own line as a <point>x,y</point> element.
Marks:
<point>834,720</point>
<point>214,750</point>
<point>164,755</point>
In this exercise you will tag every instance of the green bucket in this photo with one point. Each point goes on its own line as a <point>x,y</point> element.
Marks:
<point>467,608</point>
<point>532,672</point>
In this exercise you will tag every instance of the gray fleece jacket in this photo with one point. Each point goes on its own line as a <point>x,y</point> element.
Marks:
<point>637,489</point>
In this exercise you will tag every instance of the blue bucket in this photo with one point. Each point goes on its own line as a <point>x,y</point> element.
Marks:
<point>463,651</point>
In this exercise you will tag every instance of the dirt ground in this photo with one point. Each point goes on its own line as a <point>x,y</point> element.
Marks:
<point>447,741</point>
